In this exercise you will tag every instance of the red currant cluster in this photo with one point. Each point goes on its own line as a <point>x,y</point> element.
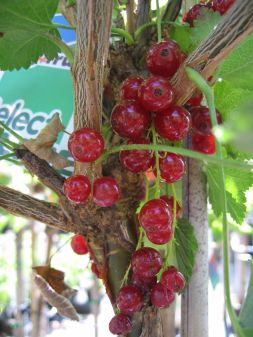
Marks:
<point>146,263</point>
<point>79,246</point>
<point>86,145</point>
<point>141,101</point>
<point>221,6</point>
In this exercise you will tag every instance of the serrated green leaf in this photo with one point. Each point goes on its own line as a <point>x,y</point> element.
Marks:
<point>237,184</point>
<point>238,67</point>
<point>186,247</point>
<point>245,317</point>
<point>206,22</point>
<point>229,98</point>
<point>26,32</point>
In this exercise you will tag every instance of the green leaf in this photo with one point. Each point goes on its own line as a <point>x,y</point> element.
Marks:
<point>247,332</point>
<point>237,183</point>
<point>229,98</point>
<point>238,67</point>
<point>186,246</point>
<point>190,37</point>
<point>181,34</point>
<point>203,26</point>
<point>245,317</point>
<point>26,32</point>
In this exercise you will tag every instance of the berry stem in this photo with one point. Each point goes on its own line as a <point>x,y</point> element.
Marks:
<point>208,92</point>
<point>57,250</point>
<point>146,190</point>
<point>158,22</point>
<point>236,164</point>
<point>138,246</point>
<point>158,173</point>
<point>174,223</point>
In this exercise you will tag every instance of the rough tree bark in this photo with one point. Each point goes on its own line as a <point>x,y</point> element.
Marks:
<point>114,229</point>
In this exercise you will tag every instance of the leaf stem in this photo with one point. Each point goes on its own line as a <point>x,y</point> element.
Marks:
<point>13,133</point>
<point>123,33</point>
<point>7,156</point>
<point>158,22</point>
<point>158,173</point>
<point>63,47</point>
<point>240,165</point>
<point>207,91</point>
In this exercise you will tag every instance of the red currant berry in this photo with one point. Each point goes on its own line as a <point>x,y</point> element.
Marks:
<point>193,13</point>
<point>172,167</point>
<point>105,191</point>
<point>130,120</point>
<point>194,101</point>
<point>86,145</point>
<point>203,143</point>
<point>145,284</point>
<point>136,160</point>
<point>164,58</point>
<point>160,237</point>
<point>129,88</point>
<point>155,215</point>
<point>201,121</point>
<point>156,94</point>
<point>173,123</point>
<point>161,297</point>
<point>173,280</point>
<point>170,202</point>
<point>129,299</point>
<point>79,245</point>
<point>95,270</point>
<point>77,188</point>
<point>120,325</point>
<point>146,262</point>
<point>222,6</point>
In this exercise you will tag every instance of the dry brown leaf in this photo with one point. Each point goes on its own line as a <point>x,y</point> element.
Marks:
<point>55,278</point>
<point>43,143</point>
<point>61,303</point>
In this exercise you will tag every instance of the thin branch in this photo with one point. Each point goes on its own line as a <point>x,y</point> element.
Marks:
<point>39,167</point>
<point>131,17</point>
<point>235,26</point>
<point>23,205</point>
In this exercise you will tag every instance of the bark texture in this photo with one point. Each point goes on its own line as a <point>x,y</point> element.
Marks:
<point>195,297</point>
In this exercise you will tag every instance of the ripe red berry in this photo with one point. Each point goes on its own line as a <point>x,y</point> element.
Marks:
<point>78,244</point>
<point>222,6</point>
<point>146,262</point>
<point>145,284</point>
<point>164,58</point>
<point>105,191</point>
<point>170,202</point>
<point>193,13</point>
<point>160,237</point>
<point>136,160</point>
<point>120,325</point>
<point>130,120</point>
<point>173,280</point>
<point>155,215</point>
<point>129,88</point>
<point>77,188</point>
<point>203,143</point>
<point>172,167</point>
<point>194,101</point>
<point>201,121</point>
<point>161,297</point>
<point>173,123</point>
<point>129,299</point>
<point>86,145</point>
<point>156,94</point>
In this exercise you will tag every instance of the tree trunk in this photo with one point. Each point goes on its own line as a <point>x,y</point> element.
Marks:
<point>195,297</point>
